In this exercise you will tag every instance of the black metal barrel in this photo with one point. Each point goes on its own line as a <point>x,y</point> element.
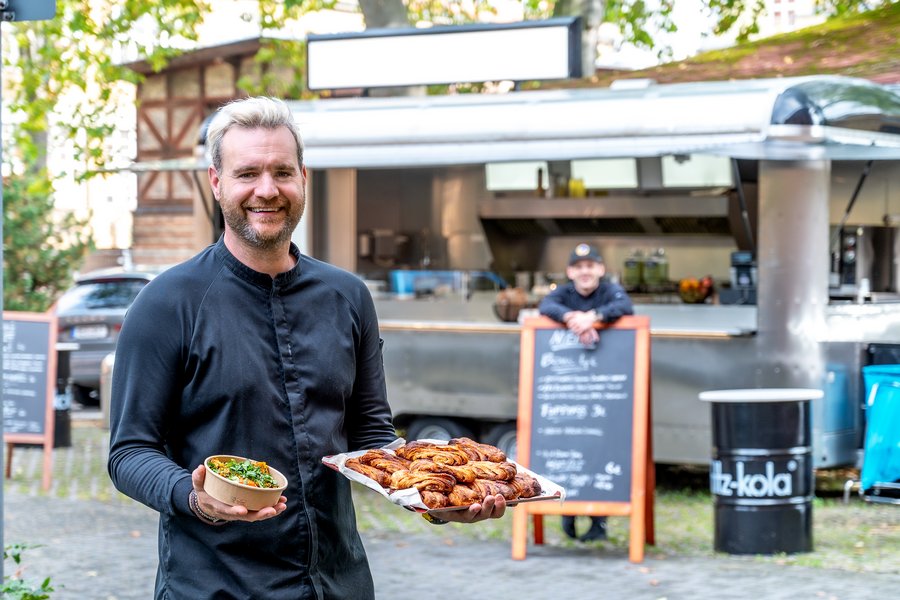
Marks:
<point>761,474</point>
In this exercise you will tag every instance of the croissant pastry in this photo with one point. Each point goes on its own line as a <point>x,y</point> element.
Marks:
<point>525,486</point>
<point>439,453</point>
<point>422,481</point>
<point>462,474</point>
<point>486,487</point>
<point>463,495</point>
<point>382,478</point>
<point>434,499</point>
<point>384,460</point>
<point>495,471</point>
<point>478,451</point>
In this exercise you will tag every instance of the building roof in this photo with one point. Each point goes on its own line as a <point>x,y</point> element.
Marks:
<point>202,56</point>
<point>865,45</point>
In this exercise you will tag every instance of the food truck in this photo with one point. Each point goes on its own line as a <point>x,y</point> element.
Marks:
<point>460,211</point>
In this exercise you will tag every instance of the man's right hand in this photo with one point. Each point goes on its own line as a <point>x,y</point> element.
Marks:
<point>226,512</point>
<point>582,324</point>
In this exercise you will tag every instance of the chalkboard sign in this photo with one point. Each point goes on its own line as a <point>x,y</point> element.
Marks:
<point>582,412</point>
<point>29,382</point>
<point>584,422</point>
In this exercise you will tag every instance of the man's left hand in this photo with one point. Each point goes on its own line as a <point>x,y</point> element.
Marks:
<point>492,507</point>
<point>580,322</point>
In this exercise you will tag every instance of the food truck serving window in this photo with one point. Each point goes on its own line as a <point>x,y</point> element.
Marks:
<point>606,173</point>
<point>696,171</point>
<point>515,175</point>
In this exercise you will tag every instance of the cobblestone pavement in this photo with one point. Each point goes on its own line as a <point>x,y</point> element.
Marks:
<point>98,546</point>
<point>96,550</point>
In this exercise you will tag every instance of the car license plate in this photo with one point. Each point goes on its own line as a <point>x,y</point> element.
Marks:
<point>89,332</point>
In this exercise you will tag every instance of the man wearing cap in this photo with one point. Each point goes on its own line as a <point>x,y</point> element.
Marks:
<point>580,305</point>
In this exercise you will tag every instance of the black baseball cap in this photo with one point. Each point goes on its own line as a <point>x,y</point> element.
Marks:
<point>585,252</point>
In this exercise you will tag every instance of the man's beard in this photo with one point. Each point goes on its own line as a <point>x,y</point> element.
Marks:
<point>237,222</point>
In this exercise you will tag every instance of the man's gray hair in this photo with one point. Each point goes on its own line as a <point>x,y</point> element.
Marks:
<point>250,113</point>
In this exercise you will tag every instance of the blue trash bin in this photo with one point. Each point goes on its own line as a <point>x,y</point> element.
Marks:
<point>873,374</point>
<point>881,453</point>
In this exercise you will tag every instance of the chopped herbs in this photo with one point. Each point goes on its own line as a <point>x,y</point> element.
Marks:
<point>247,472</point>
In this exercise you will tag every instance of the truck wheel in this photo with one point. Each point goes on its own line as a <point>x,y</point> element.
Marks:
<point>437,428</point>
<point>504,437</point>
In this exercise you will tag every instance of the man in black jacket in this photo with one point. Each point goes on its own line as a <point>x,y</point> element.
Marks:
<point>580,305</point>
<point>256,350</point>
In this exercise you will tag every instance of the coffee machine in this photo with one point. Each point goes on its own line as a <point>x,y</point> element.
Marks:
<point>866,262</point>
<point>743,279</point>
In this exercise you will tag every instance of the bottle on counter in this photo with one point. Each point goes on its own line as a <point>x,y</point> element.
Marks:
<point>633,273</point>
<point>576,188</point>
<point>560,186</point>
<point>656,268</point>
<point>539,190</point>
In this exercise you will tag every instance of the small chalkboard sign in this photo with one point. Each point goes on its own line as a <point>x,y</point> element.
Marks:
<point>29,382</point>
<point>584,418</point>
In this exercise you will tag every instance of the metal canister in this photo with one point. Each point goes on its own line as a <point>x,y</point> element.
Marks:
<point>633,273</point>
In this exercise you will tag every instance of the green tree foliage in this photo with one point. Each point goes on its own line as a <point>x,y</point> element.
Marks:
<point>40,251</point>
<point>62,70</point>
<point>59,76</point>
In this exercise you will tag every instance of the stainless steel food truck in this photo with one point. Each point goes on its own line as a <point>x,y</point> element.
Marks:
<point>785,192</point>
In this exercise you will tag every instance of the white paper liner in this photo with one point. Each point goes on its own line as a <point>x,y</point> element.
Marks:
<point>410,497</point>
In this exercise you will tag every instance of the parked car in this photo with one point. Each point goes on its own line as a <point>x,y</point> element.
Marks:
<point>89,317</point>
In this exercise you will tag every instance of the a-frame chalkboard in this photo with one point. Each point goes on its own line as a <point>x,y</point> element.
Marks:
<point>29,383</point>
<point>584,422</point>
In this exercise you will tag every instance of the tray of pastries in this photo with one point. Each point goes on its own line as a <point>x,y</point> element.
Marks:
<point>435,475</point>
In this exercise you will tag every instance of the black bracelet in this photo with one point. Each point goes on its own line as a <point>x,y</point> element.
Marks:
<point>433,519</point>
<point>195,508</point>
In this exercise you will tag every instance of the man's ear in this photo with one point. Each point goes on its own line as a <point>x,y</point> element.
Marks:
<point>602,269</point>
<point>213,181</point>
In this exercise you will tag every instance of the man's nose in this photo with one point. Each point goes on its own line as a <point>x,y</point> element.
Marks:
<point>265,186</point>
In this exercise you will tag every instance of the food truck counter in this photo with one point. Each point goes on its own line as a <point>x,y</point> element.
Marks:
<point>477,314</point>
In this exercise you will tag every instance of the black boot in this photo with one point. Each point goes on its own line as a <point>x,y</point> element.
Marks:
<point>597,531</point>
<point>568,526</point>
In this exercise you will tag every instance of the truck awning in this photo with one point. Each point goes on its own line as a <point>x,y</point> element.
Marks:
<point>804,118</point>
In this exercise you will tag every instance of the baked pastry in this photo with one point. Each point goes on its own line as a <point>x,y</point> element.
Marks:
<point>486,487</point>
<point>434,499</point>
<point>439,453</point>
<point>463,495</point>
<point>384,460</point>
<point>462,474</point>
<point>525,486</point>
<point>495,471</point>
<point>382,478</point>
<point>477,451</point>
<point>423,481</point>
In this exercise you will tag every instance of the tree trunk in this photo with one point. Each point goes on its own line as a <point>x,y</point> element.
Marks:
<point>591,12</point>
<point>384,13</point>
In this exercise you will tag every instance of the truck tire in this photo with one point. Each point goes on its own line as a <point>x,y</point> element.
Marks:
<point>437,428</point>
<point>504,437</point>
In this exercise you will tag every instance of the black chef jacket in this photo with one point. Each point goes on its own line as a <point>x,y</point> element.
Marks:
<point>215,358</point>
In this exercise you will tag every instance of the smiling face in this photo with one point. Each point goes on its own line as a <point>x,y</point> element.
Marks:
<point>585,275</point>
<point>260,187</point>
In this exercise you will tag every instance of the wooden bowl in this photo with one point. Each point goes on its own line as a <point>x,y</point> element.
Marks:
<point>234,493</point>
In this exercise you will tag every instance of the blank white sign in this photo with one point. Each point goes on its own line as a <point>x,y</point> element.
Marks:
<point>522,52</point>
